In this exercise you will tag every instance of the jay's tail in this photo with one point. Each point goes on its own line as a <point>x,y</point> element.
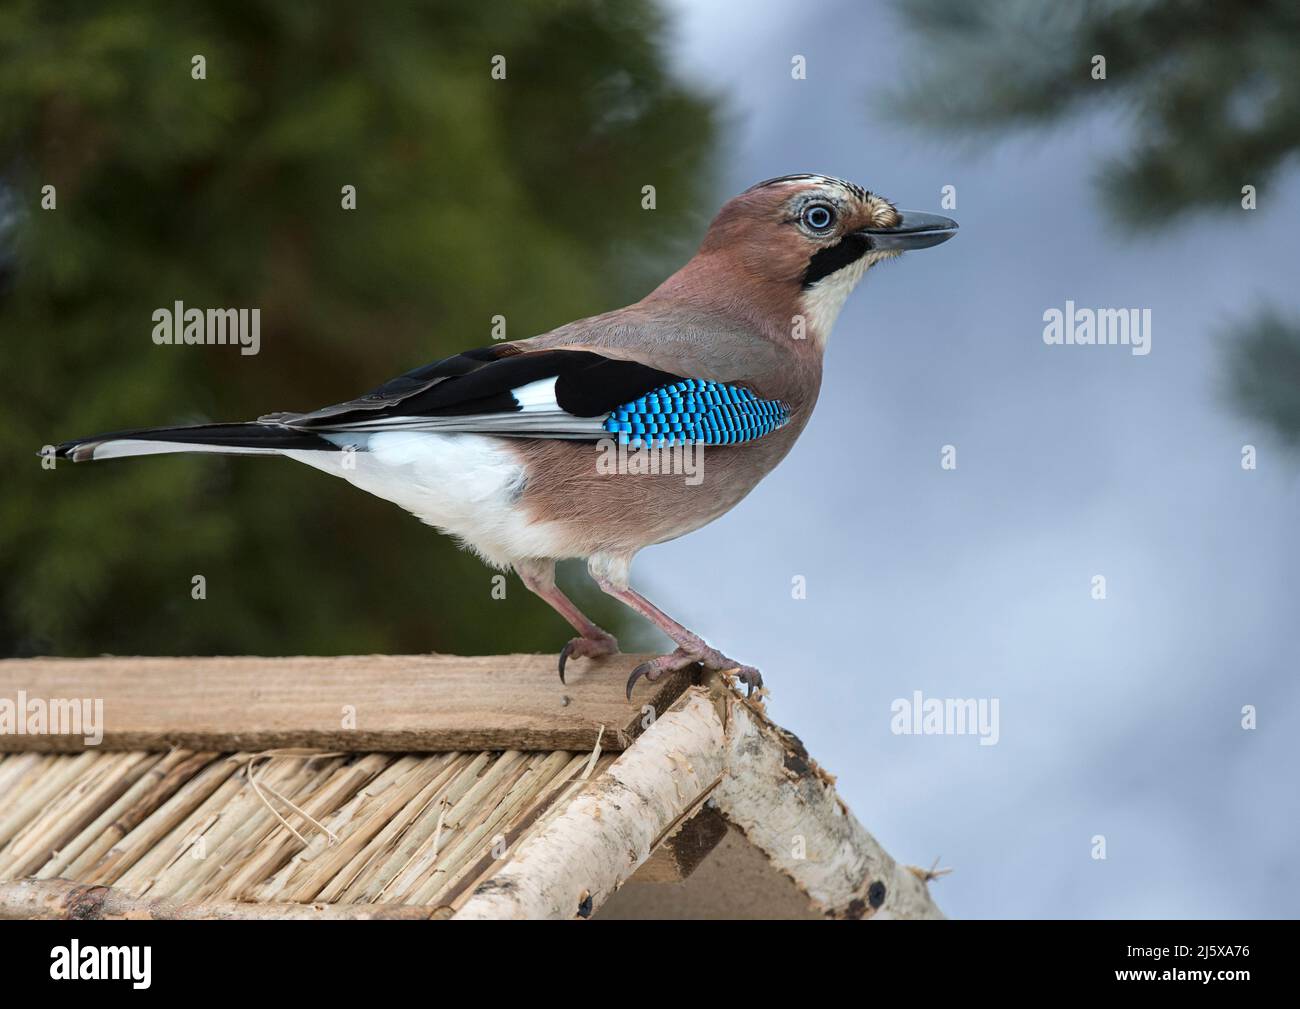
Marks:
<point>226,439</point>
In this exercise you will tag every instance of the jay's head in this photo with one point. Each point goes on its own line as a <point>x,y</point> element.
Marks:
<point>813,238</point>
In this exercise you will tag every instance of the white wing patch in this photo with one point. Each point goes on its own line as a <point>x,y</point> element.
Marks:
<point>537,396</point>
<point>539,415</point>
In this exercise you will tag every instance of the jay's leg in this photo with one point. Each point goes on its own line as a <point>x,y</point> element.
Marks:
<point>539,578</point>
<point>611,575</point>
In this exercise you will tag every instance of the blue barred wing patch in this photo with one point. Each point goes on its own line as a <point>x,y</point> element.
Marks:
<point>695,411</point>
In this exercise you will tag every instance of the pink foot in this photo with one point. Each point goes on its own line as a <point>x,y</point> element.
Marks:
<point>709,658</point>
<point>588,648</point>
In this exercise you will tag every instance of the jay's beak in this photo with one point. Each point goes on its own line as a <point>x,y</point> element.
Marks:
<point>914,230</point>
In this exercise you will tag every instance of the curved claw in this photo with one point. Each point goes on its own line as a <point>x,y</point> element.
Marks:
<point>591,648</point>
<point>643,669</point>
<point>750,677</point>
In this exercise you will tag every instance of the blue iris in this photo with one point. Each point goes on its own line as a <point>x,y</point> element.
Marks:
<point>818,216</point>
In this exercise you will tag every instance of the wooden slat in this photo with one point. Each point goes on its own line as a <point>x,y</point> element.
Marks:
<point>401,702</point>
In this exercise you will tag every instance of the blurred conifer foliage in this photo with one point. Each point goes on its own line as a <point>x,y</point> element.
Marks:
<point>475,197</point>
<point>1212,93</point>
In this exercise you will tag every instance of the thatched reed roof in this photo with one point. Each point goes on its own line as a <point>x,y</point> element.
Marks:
<point>372,828</point>
<point>220,789</point>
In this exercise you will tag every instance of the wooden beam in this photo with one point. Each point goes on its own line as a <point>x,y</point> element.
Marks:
<point>353,703</point>
<point>681,853</point>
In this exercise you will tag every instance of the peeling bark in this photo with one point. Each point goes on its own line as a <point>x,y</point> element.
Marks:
<point>787,807</point>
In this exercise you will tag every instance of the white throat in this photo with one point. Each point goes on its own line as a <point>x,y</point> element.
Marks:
<point>820,305</point>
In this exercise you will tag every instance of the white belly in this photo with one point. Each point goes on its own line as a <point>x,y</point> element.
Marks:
<point>467,485</point>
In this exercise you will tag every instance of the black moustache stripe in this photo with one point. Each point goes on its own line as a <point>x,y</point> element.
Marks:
<point>823,263</point>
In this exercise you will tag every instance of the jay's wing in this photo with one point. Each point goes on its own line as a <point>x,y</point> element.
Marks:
<point>577,394</point>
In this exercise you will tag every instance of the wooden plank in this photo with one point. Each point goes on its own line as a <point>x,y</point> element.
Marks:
<point>353,703</point>
<point>682,852</point>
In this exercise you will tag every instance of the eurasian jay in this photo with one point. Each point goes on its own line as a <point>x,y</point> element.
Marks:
<point>499,446</point>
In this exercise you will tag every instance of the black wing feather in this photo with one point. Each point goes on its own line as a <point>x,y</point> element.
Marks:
<point>480,382</point>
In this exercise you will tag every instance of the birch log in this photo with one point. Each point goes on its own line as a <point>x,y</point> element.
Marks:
<point>581,857</point>
<point>787,807</point>
<point>69,901</point>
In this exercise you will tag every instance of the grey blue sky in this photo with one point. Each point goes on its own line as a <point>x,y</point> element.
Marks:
<point>1119,717</point>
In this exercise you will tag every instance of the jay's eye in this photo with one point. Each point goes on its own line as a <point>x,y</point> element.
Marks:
<point>818,216</point>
